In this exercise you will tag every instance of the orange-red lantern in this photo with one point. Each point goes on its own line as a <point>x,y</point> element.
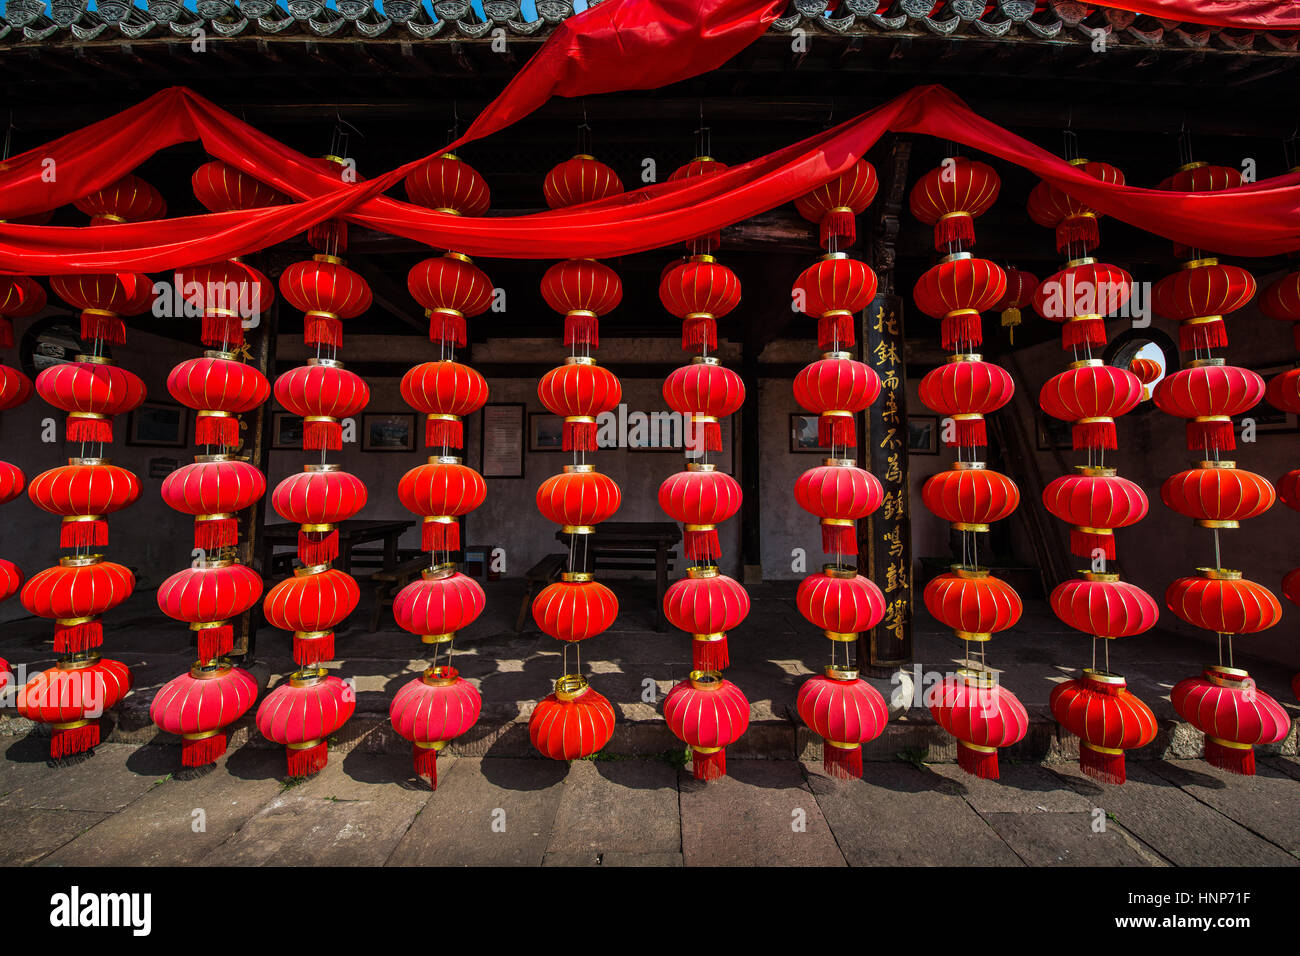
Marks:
<point>129,199</point>
<point>706,604</point>
<point>700,497</point>
<point>218,387</point>
<point>846,712</point>
<point>1051,207</point>
<point>450,288</point>
<point>578,499</point>
<point>226,294</point>
<point>1224,602</point>
<point>579,390</point>
<point>327,292</point>
<point>836,388</point>
<point>1283,391</point>
<point>20,296</point>
<point>319,499</point>
<point>1108,719</point>
<point>72,697</point>
<point>447,184</point>
<point>444,392</point>
<point>972,602</point>
<point>708,713</point>
<point>983,715</point>
<point>12,482</point>
<point>103,300</point>
<point>966,389</point>
<point>1291,587</point>
<point>220,187</point>
<point>835,205</point>
<point>74,593</point>
<point>956,291</point>
<point>441,491</point>
<point>951,196</point>
<point>83,492</point>
<point>11,579</point>
<point>1234,714</point>
<point>1209,393</point>
<point>213,489</point>
<point>841,602</point>
<point>207,597</point>
<point>92,390</point>
<point>700,166</point>
<point>1100,604</point>
<point>702,393</point>
<point>1080,297</point>
<point>699,291</point>
<point>438,605</point>
<point>582,290</point>
<point>580,179</point>
<point>1019,295</point>
<point>1091,395</point>
<point>302,712</point>
<point>1288,489</point>
<point>1217,494</point>
<point>15,388</point>
<point>832,291</point>
<point>575,607</point>
<point>322,392</point>
<point>970,496</point>
<point>1281,301</point>
<point>572,722</point>
<point>311,604</point>
<point>1147,371</point>
<point>1095,501</point>
<point>1198,297</point>
<point>432,710</point>
<point>199,705</point>
<point>839,493</point>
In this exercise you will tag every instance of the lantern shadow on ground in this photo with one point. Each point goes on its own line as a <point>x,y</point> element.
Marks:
<point>155,761</point>
<point>391,768</point>
<point>520,775</point>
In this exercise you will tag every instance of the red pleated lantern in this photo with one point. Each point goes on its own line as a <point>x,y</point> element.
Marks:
<point>319,499</point>
<point>579,390</point>
<point>1209,393</point>
<point>91,390</point>
<point>703,392</point>
<point>206,597</point>
<point>432,710</point>
<point>839,493</point>
<point>984,716</point>
<point>12,481</point>
<point>841,602</point>
<point>1147,371</point>
<point>11,580</point>
<point>836,389</point>
<point>973,603</point>
<point>1291,587</point>
<point>450,288</point>
<point>444,392</point>
<point>835,205</point>
<point>1091,395</point>
<point>582,290</point>
<point>578,499</point>
<point>1099,603</point>
<point>1099,709</point>
<point>575,608</point>
<point>301,714</point>
<point>1217,494</point>
<point>846,712</point>
<point>222,188</point>
<point>129,199</point>
<point>1053,208</point>
<point>700,498</point>
<point>74,593</point>
<point>218,387</point>
<point>951,196</point>
<point>438,605</point>
<point>706,604</point>
<point>1019,295</point>
<point>213,489</point>
<point>699,291</point>
<point>956,291</point>
<point>580,179</point>
<point>20,296</point>
<point>440,492</point>
<point>572,722</point>
<point>1283,391</point>
<point>1201,177</point>
<point>1234,714</point>
<point>322,392</point>
<point>327,292</point>
<point>709,713</point>
<point>970,496</point>
<point>1198,297</point>
<point>83,492</point>
<point>832,291</point>
<point>965,389</point>
<point>71,697</point>
<point>311,604</point>
<point>15,388</point>
<point>1281,301</point>
<point>1224,602</point>
<point>447,184</point>
<point>198,707</point>
<point>103,300</point>
<point>700,166</point>
<point>1080,297</point>
<point>225,294</point>
<point>1095,501</point>
<point>1288,489</point>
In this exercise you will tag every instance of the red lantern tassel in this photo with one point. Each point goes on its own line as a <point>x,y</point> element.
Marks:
<point>318,435</point>
<point>312,650</point>
<point>90,429</point>
<point>1084,543</point>
<point>213,533</point>
<point>961,329</point>
<point>222,331</point>
<point>74,740</point>
<point>710,655</point>
<point>969,432</point>
<point>447,326</point>
<point>835,331</point>
<point>837,430</point>
<point>1094,435</point>
<point>220,430</point>
<point>712,436</point>
<point>956,227</point>
<point>74,638</point>
<point>320,329</point>
<point>582,328</point>
<point>426,765</point>
<point>443,433</point>
<point>83,534</point>
<point>318,547</point>
<point>839,224</point>
<point>201,752</point>
<point>1083,331</point>
<point>982,763</point>
<point>308,760</point>
<point>1202,335</point>
<point>6,333</point>
<point>105,326</point>
<point>699,332</point>
<point>579,436</point>
<point>216,641</point>
<point>1211,435</point>
<point>440,536</point>
<point>702,545</point>
<point>1232,759</point>
<point>839,538</point>
<point>1081,229</point>
<point>1100,765</point>
<point>709,766</point>
<point>842,762</point>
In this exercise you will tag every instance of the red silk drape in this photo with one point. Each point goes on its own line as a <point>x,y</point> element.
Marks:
<point>1238,14</point>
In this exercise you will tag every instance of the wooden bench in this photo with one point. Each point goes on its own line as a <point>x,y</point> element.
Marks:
<point>537,577</point>
<point>388,583</point>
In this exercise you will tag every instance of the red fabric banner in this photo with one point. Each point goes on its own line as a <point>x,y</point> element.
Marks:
<point>1237,14</point>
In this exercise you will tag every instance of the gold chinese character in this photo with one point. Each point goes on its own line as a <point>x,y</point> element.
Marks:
<point>896,577</point>
<point>892,470</point>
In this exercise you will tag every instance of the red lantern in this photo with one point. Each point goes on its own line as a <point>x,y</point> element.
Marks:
<point>198,706</point>
<point>83,491</point>
<point>839,493</point>
<point>700,498</point>
<point>970,496</point>
<point>578,499</point>
<point>15,388</point>
<point>11,579</point>
<point>579,390</point>
<point>1051,207</point>
<point>311,604</point>
<point>709,713</point>
<point>836,388</point>
<point>836,204</point>
<point>845,712</point>
<point>1200,177</point>
<point>431,710</point>
<point>1288,489</point>
<point>966,389</point>
<point>450,288</point>
<point>700,166</point>
<point>71,697</point>
<point>446,184</point>
<point>1094,502</point>
<point>973,603</point>
<point>219,388</point>
<point>444,392</point>
<point>1291,588</point>
<point>1218,495</point>
<point>213,489</point>
<point>1092,395</point>
<point>1080,297</point>
<point>441,603</point>
<point>103,300</point>
<point>1283,391</point>
<point>1222,601</point>
<point>951,196</point>
<point>206,597</point>
<point>1100,604</point>
<point>75,593</point>
<point>583,290</point>
<point>225,293</point>
<point>1198,297</point>
<point>318,499</point>
<point>956,291</point>
<point>1281,301</point>
<point>302,712</point>
<point>322,392</point>
<point>984,716</point>
<point>1209,393</point>
<point>575,608</point>
<point>706,604</point>
<point>327,292</point>
<point>441,491</point>
<point>703,392</point>
<point>91,390</point>
<point>841,602</point>
<point>222,188</point>
<point>1099,709</point>
<point>699,291</point>
<point>1233,713</point>
<point>571,723</point>
<point>129,199</point>
<point>1147,370</point>
<point>832,291</point>
<point>20,296</point>
<point>1019,294</point>
<point>578,180</point>
<point>12,481</point>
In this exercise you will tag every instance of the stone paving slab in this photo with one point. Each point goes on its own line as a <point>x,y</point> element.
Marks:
<point>1264,804</point>
<point>1067,839</point>
<point>1022,788</point>
<point>27,835</point>
<point>104,782</point>
<point>618,805</point>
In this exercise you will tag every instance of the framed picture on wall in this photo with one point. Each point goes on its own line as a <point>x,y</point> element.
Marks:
<point>286,431</point>
<point>1053,434</point>
<point>158,424</point>
<point>1268,418</point>
<point>383,431</point>
<point>803,436</point>
<point>502,444</point>
<point>923,434</point>
<point>545,432</point>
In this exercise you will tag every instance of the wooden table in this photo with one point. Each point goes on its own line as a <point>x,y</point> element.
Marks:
<point>351,534</point>
<point>634,545</point>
